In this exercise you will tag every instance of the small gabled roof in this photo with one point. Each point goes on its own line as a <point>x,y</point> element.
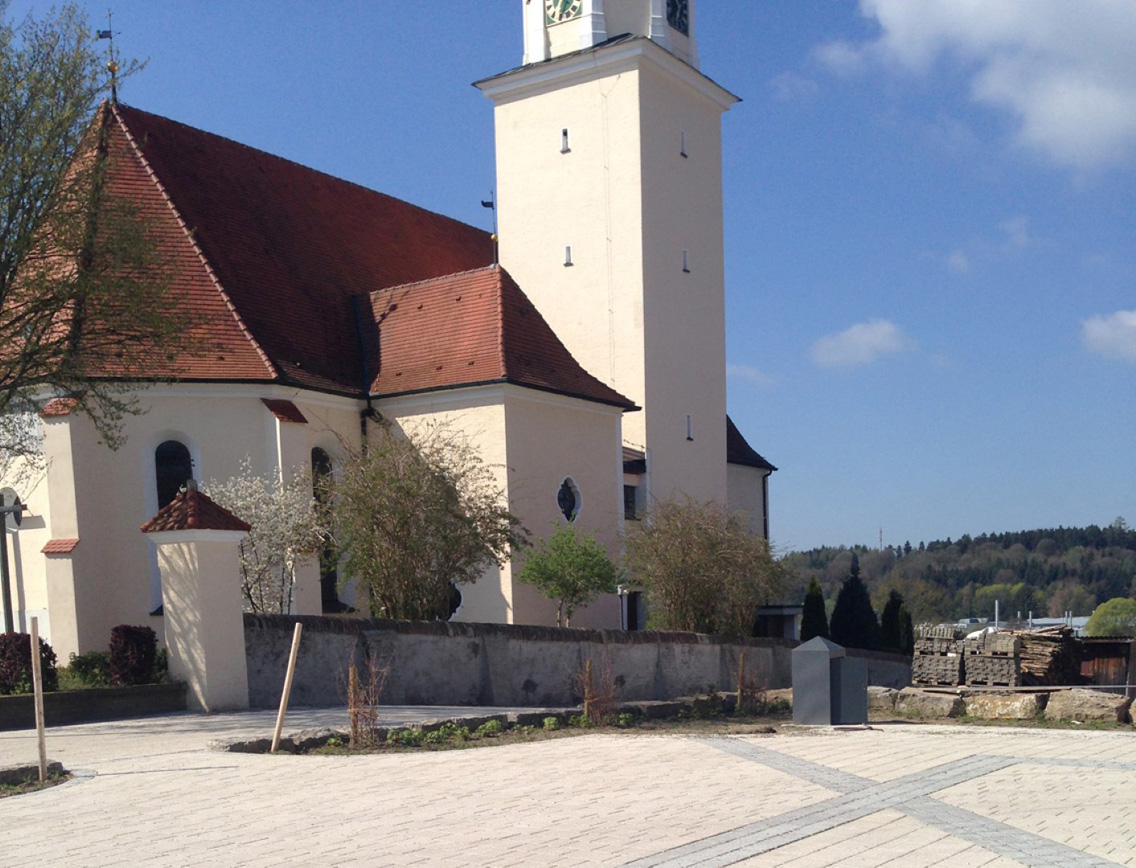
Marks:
<point>465,329</point>
<point>193,510</point>
<point>738,451</point>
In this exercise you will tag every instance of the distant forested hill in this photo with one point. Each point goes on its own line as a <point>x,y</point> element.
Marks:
<point>1044,571</point>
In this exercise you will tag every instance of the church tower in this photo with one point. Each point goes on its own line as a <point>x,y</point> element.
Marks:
<point>609,178</point>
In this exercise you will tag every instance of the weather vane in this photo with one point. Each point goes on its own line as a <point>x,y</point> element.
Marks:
<point>112,64</point>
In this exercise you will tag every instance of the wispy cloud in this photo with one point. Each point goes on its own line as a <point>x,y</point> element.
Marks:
<point>1061,70</point>
<point>959,261</point>
<point>1016,230</point>
<point>1112,336</point>
<point>860,344</point>
<point>751,375</point>
<point>791,87</point>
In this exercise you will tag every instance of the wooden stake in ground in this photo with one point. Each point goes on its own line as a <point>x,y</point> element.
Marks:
<point>287,685</point>
<point>741,682</point>
<point>588,690</point>
<point>37,686</point>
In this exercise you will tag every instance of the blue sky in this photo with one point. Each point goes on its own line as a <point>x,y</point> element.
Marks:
<point>930,221</point>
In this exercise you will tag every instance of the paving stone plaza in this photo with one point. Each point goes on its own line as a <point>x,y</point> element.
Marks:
<point>149,792</point>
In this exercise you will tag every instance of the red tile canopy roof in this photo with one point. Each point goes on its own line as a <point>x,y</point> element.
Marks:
<point>285,411</point>
<point>466,329</point>
<point>192,510</point>
<point>59,546</point>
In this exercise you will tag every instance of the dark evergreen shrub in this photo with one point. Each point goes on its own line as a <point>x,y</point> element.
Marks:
<point>854,623</point>
<point>906,632</point>
<point>814,620</point>
<point>890,627</point>
<point>133,651</point>
<point>16,664</point>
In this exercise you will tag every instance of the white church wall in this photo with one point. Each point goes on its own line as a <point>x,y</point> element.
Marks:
<point>745,488</point>
<point>102,496</point>
<point>551,439</point>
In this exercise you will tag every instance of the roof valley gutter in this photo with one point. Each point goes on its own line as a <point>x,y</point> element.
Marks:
<point>365,414</point>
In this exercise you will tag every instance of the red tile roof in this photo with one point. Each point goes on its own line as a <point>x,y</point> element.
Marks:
<point>59,546</point>
<point>738,451</point>
<point>269,253</point>
<point>59,407</point>
<point>285,411</point>
<point>193,510</point>
<point>470,328</point>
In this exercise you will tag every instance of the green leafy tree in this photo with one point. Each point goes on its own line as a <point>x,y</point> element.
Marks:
<point>1115,617</point>
<point>83,301</point>
<point>814,620</point>
<point>854,623</point>
<point>416,517</point>
<point>703,569</point>
<point>571,569</point>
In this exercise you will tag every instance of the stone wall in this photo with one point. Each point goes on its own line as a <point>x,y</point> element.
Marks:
<point>446,663</point>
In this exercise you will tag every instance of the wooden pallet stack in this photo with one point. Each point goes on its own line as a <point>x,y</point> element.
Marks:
<point>992,660</point>
<point>938,659</point>
<point>1050,656</point>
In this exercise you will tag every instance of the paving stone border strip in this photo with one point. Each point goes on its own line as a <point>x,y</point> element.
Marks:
<point>861,797</point>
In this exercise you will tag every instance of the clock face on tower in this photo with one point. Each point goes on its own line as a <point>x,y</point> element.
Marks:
<point>678,16</point>
<point>556,11</point>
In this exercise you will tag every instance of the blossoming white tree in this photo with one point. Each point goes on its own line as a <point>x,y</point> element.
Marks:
<point>288,527</point>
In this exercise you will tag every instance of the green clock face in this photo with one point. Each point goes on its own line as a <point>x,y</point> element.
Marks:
<point>556,11</point>
<point>678,16</point>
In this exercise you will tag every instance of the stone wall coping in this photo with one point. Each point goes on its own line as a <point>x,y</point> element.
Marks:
<point>469,630</point>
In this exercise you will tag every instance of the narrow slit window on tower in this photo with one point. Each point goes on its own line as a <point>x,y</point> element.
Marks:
<point>564,144</point>
<point>686,261</point>
<point>682,142</point>
<point>689,427</point>
<point>567,255</point>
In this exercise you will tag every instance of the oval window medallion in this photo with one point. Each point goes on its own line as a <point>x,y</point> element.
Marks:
<point>568,499</point>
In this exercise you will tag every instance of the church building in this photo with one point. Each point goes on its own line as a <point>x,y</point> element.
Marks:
<point>583,354</point>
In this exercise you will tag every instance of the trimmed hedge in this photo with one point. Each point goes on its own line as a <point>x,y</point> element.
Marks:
<point>133,651</point>
<point>16,664</point>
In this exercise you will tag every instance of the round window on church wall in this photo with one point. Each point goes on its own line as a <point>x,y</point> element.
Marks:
<point>568,499</point>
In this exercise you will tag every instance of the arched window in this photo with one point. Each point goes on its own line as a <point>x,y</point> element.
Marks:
<point>328,559</point>
<point>172,467</point>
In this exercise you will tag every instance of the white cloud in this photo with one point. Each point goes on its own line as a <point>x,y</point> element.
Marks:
<point>1112,336</point>
<point>959,261</point>
<point>750,374</point>
<point>790,87</point>
<point>861,344</point>
<point>1017,233</point>
<point>1065,71</point>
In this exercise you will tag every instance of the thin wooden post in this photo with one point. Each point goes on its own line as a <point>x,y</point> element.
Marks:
<point>588,690</point>
<point>287,685</point>
<point>741,681</point>
<point>353,702</point>
<point>37,686</point>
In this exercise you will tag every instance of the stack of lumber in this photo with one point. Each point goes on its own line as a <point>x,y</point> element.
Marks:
<point>938,658</point>
<point>1050,656</point>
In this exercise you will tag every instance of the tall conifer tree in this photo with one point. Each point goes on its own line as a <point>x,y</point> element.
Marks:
<point>854,623</point>
<point>814,620</point>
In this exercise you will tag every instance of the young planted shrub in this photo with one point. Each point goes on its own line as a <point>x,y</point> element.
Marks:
<point>92,668</point>
<point>16,664</point>
<point>133,651</point>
